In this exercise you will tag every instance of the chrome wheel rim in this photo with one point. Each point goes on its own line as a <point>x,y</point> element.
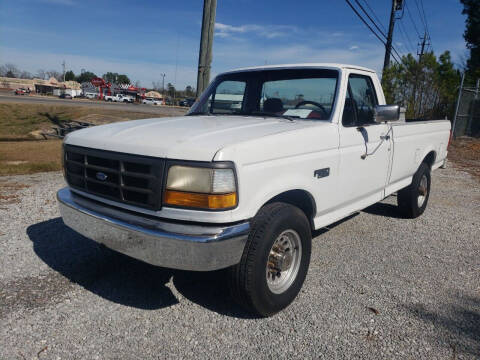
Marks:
<point>283,261</point>
<point>422,191</point>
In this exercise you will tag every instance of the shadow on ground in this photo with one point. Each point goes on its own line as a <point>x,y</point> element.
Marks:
<point>457,324</point>
<point>124,280</point>
<point>384,209</point>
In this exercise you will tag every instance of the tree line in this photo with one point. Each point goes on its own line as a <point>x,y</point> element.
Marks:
<point>428,86</point>
<point>12,71</point>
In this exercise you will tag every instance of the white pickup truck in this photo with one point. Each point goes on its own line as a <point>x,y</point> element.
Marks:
<point>266,156</point>
<point>118,98</point>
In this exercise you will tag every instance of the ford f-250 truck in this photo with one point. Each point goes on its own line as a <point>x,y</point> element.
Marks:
<point>265,156</point>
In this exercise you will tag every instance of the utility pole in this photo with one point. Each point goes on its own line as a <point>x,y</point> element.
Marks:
<point>388,45</point>
<point>206,42</point>
<point>63,67</point>
<point>422,47</point>
<point>397,5</point>
<point>419,67</point>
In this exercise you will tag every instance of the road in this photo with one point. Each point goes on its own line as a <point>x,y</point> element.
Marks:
<point>379,287</point>
<point>47,100</point>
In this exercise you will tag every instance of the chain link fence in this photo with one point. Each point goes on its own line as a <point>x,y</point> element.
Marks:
<point>467,119</point>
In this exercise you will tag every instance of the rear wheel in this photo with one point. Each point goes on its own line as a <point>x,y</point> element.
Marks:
<point>275,260</point>
<point>412,200</point>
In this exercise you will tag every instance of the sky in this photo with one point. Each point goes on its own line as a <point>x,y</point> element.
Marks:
<point>144,39</point>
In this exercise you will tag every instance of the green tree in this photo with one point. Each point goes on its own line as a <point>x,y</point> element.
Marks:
<point>86,76</point>
<point>425,87</point>
<point>123,79</point>
<point>116,78</point>
<point>69,76</point>
<point>471,8</point>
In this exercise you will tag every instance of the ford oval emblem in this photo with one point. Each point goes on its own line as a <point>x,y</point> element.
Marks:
<point>101,176</point>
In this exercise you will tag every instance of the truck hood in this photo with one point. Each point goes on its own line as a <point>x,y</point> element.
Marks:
<point>187,137</point>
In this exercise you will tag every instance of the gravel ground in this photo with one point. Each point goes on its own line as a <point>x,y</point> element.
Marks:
<point>379,287</point>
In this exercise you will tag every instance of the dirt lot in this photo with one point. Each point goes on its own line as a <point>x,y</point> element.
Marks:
<point>379,287</point>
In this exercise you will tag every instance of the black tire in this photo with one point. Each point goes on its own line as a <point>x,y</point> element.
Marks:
<point>248,279</point>
<point>408,198</point>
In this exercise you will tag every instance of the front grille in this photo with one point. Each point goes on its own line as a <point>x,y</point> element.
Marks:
<point>131,179</point>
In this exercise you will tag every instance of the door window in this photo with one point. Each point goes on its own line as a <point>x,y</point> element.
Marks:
<point>360,101</point>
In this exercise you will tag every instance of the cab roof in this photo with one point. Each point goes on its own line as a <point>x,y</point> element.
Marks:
<point>303,66</point>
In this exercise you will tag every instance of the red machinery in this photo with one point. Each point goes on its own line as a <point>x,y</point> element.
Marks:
<point>101,84</point>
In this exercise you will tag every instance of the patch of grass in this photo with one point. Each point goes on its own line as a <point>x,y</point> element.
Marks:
<point>28,157</point>
<point>19,120</point>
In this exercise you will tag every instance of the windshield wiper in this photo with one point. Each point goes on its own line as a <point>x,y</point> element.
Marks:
<point>262,113</point>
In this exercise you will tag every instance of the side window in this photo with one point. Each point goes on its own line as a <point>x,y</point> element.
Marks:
<point>360,101</point>
<point>349,111</point>
<point>228,97</point>
<point>363,96</point>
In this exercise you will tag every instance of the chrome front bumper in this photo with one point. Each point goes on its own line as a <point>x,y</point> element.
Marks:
<point>155,241</point>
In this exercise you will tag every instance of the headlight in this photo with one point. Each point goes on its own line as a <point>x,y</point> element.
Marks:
<point>200,187</point>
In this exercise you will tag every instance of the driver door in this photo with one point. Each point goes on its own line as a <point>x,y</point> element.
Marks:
<point>364,156</point>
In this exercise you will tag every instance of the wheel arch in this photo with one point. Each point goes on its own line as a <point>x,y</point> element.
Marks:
<point>429,159</point>
<point>300,198</point>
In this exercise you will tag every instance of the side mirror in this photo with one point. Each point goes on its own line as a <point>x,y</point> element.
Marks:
<point>384,113</point>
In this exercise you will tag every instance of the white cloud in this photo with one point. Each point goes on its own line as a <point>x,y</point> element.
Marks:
<point>353,47</point>
<point>266,31</point>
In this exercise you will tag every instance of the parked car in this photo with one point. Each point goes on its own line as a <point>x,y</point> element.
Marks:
<point>152,101</point>
<point>65,96</point>
<point>90,95</point>
<point>187,102</point>
<point>243,187</point>
<point>21,91</point>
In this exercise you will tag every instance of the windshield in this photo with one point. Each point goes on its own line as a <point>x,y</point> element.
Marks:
<point>292,93</point>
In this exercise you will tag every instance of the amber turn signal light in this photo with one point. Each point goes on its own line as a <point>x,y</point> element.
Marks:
<point>201,201</point>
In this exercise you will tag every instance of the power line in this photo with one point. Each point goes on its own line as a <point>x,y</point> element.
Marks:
<point>420,14</point>
<point>370,28</point>
<point>375,16</point>
<point>426,25</point>
<point>411,19</point>
<point>373,22</point>
<point>423,18</point>
<point>407,39</point>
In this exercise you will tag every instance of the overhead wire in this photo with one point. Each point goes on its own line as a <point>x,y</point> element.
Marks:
<point>375,16</point>
<point>411,19</point>
<point>423,19</point>
<point>406,37</point>
<point>373,31</point>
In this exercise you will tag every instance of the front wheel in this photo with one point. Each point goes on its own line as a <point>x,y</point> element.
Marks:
<point>412,200</point>
<point>275,260</point>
